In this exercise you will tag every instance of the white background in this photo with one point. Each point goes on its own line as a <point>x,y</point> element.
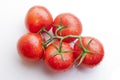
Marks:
<point>100,19</point>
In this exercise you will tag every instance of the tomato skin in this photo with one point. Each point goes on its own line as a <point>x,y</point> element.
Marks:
<point>55,62</point>
<point>29,47</point>
<point>38,17</point>
<point>74,26</point>
<point>91,59</point>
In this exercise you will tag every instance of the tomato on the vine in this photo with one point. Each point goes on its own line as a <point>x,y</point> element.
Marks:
<point>38,17</point>
<point>30,47</point>
<point>70,25</point>
<point>93,51</point>
<point>58,61</point>
<point>58,55</point>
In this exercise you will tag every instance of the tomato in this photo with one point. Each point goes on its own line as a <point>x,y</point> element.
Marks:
<point>55,61</point>
<point>37,18</point>
<point>71,24</point>
<point>95,54</point>
<point>30,47</point>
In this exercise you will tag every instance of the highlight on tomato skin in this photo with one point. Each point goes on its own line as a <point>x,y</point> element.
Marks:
<point>55,62</point>
<point>95,54</point>
<point>38,17</point>
<point>30,47</point>
<point>71,26</point>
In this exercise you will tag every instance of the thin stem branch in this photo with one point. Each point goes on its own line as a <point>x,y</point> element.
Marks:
<point>60,49</point>
<point>44,30</point>
<point>48,41</point>
<point>82,58</point>
<point>81,45</point>
<point>89,43</point>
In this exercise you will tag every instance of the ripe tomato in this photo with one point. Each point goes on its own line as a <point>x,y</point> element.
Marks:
<point>72,24</point>
<point>30,47</point>
<point>37,18</point>
<point>55,61</point>
<point>95,54</point>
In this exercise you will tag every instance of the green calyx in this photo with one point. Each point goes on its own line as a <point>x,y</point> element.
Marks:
<point>84,52</point>
<point>60,51</point>
<point>59,27</point>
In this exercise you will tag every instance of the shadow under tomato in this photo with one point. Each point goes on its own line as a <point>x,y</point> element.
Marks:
<point>85,69</point>
<point>39,66</point>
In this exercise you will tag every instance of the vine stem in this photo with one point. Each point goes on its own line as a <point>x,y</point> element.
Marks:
<point>59,29</point>
<point>52,37</point>
<point>44,30</point>
<point>60,49</point>
<point>57,37</point>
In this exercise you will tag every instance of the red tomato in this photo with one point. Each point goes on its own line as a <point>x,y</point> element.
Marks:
<point>30,47</point>
<point>72,24</point>
<point>55,61</point>
<point>95,55</point>
<point>37,18</point>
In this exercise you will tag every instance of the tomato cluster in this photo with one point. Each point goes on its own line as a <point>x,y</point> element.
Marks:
<point>56,51</point>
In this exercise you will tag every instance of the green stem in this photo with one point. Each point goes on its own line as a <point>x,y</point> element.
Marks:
<point>62,57</point>
<point>78,57</point>
<point>60,49</point>
<point>82,58</point>
<point>71,36</point>
<point>48,41</point>
<point>56,37</point>
<point>81,45</point>
<point>89,43</point>
<point>65,37</point>
<point>44,30</point>
<point>56,32</point>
